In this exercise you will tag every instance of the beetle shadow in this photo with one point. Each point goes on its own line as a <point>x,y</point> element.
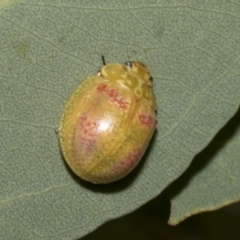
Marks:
<point>119,185</point>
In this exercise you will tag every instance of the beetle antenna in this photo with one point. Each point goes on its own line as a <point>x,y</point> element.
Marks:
<point>103,60</point>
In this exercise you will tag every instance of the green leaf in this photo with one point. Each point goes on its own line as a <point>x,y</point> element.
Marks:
<point>212,181</point>
<point>48,47</point>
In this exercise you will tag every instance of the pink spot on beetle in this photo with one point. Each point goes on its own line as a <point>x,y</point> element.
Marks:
<point>146,120</point>
<point>87,134</point>
<point>129,161</point>
<point>113,95</point>
<point>101,88</point>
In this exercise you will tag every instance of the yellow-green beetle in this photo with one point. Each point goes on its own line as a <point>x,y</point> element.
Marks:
<point>108,122</point>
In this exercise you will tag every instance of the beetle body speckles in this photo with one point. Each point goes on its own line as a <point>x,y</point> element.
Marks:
<point>108,122</point>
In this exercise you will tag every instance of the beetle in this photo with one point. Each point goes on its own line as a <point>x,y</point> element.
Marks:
<point>108,122</point>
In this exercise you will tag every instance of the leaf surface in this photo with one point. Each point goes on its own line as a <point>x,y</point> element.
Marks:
<point>48,47</point>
